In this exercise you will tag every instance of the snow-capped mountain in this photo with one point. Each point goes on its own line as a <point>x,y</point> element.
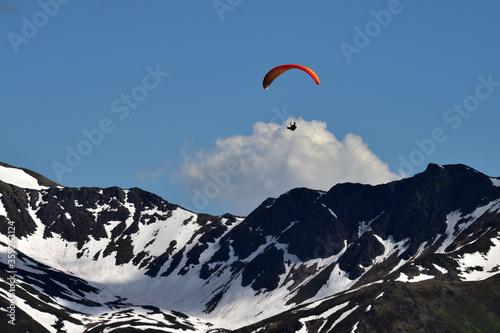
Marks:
<point>412,255</point>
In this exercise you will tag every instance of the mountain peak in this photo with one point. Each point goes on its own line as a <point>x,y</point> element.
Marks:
<point>452,170</point>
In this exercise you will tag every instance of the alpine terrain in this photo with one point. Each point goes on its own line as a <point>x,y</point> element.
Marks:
<point>420,254</point>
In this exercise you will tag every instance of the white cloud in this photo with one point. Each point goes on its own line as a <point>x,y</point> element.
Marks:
<point>242,171</point>
<point>155,174</point>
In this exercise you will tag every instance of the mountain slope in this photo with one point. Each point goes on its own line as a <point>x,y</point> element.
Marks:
<point>427,306</point>
<point>308,260</point>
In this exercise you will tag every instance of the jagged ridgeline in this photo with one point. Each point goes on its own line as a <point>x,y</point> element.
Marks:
<point>417,255</point>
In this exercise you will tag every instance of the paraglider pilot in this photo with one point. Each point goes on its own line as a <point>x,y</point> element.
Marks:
<point>292,127</point>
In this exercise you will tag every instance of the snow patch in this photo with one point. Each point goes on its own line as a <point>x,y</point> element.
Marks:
<point>19,178</point>
<point>354,327</point>
<point>324,315</point>
<point>451,221</point>
<point>3,212</point>
<point>331,211</point>
<point>495,181</point>
<point>342,317</point>
<point>338,281</point>
<point>390,247</point>
<point>321,193</point>
<point>291,225</point>
<point>441,269</point>
<point>480,266</point>
<point>405,278</point>
<point>454,228</point>
<point>366,226</point>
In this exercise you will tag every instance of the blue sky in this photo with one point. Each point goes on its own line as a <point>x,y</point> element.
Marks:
<point>143,92</point>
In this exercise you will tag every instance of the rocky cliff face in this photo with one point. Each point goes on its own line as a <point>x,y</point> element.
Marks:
<point>313,261</point>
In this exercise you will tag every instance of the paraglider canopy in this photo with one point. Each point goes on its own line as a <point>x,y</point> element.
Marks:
<point>277,71</point>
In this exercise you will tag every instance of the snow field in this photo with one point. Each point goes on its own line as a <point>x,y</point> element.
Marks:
<point>19,178</point>
<point>454,228</point>
<point>324,315</point>
<point>478,266</point>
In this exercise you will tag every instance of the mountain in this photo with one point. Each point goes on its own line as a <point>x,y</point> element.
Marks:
<point>415,255</point>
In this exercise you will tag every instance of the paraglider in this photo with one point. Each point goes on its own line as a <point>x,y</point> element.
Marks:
<point>277,71</point>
